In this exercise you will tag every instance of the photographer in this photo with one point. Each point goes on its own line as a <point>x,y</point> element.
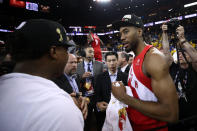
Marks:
<point>187,47</point>
<point>184,74</point>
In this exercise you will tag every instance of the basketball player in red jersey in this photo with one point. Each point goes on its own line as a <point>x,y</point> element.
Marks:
<point>154,102</point>
<point>95,42</point>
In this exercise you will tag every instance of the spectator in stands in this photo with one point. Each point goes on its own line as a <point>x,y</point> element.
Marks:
<point>30,101</point>
<point>187,47</point>
<point>123,59</point>
<point>69,82</point>
<point>103,85</point>
<point>88,71</point>
<point>183,74</point>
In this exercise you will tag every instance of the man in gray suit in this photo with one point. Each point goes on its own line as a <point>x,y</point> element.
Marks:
<point>88,70</point>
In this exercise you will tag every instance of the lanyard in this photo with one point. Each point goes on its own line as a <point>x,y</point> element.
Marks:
<point>178,79</point>
<point>181,85</point>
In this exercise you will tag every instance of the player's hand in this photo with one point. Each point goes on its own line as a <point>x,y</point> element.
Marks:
<point>119,90</point>
<point>164,28</point>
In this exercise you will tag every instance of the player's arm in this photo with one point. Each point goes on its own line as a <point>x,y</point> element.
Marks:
<point>166,108</point>
<point>90,39</point>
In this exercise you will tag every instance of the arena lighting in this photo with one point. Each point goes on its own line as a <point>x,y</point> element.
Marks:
<point>148,24</point>
<point>74,27</point>
<point>72,34</point>
<point>190,16</point>
<point>31,6</point>
<point>109,26</point>
<point>163,21</point>
<point>17,3</point>
<point>108,33</point>
<point>160,22</point>
<point>45,9</point>
<point>116,31</point>
<point>100,33</point>
<point>4,30</point>
<point>190,4</point>
<point>102,0</point>
<point>180,17</point>
<point>90,27</point>
<point>80,33</point>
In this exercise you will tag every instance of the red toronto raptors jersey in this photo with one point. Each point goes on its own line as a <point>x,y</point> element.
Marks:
<point>141,88</point>
<point>97,49</point>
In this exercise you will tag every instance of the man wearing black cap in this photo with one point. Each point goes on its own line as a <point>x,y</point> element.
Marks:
<point>154,100</point>
<point>29,100</point>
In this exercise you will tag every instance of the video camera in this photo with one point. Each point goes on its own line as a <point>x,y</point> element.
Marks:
<point>173,24</point>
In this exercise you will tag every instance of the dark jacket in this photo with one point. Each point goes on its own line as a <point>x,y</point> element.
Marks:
<point>103,85</point>
<point>127,69</point>
<point>64,84</point>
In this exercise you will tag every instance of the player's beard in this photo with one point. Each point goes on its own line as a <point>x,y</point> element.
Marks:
<point>132,46</point>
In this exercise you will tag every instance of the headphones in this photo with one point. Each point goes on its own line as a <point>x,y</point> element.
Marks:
<point>83,53</point>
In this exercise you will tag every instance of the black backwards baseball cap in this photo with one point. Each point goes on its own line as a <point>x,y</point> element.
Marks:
<point>128,20</point>
<point>42,31</point>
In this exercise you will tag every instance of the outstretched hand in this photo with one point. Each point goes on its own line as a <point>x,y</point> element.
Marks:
<point>164,28</point>
<point>180,33</point>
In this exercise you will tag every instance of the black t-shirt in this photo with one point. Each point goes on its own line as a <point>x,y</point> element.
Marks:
<point>186,85</point>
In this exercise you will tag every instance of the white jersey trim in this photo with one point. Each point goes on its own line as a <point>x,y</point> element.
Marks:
<point>144,93</point>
